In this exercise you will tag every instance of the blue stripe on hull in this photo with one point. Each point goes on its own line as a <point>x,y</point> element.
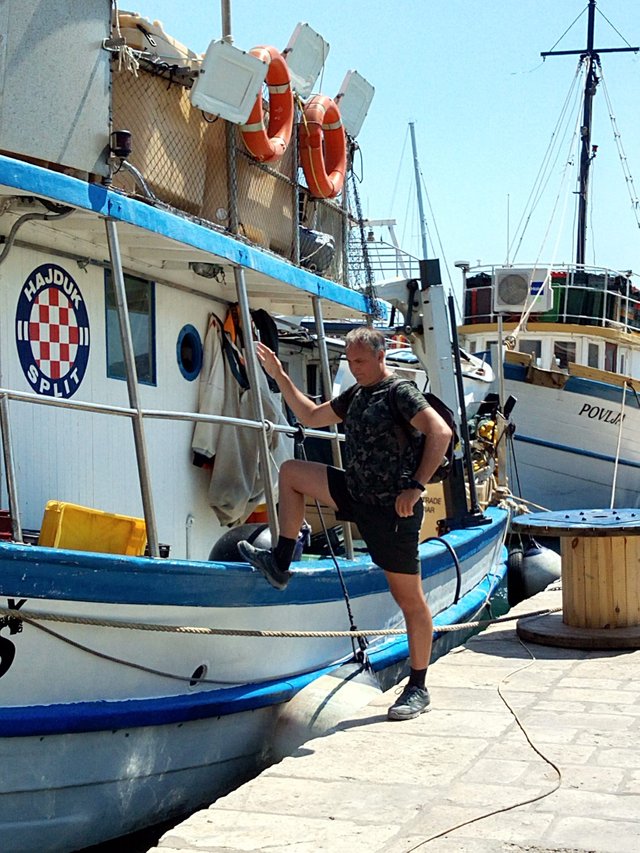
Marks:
<point>574,385</point>
<point>27,572</point>
<point>565,448</point>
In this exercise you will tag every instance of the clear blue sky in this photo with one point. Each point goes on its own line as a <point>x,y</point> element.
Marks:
<point>469,74</point>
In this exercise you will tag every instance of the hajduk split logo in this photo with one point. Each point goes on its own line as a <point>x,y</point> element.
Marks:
<point>52,332</point>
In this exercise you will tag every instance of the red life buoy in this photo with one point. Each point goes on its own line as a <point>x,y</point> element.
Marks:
<point>269,143</point>
<point>323,147</point>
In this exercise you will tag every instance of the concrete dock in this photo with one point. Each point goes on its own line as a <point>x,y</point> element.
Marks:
<point>527,748</point>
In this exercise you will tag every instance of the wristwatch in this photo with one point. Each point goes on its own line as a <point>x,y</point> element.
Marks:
<point>414,484</point>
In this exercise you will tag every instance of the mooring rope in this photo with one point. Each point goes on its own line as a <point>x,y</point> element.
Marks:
<point>30,616</point>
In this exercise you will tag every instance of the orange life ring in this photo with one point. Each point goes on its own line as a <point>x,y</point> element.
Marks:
<point>323,147</point>
<point>269,143</point>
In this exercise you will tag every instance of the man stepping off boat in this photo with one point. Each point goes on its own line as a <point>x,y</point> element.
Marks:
<point>380,488</point>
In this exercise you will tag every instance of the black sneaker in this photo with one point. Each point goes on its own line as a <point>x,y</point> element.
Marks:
<point>262,560</point>
<point>412,702</point>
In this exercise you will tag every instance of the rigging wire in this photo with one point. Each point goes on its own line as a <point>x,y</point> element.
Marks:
<point>615,29</point>
<point>575,21</point>
<point>549,161</point>
<point>635,202</point>
<point>440,246</point>
<point>397,180</point>
<point>561,193</point>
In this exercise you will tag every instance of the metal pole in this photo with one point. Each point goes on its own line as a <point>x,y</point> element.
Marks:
<point>464,426</point>
<point>225,10</point>
<point>500,365</point>
<point>243,303</point>
<point>132,386</point>
<point>591,81</point>
<point>254,379</point>
<point>344,254</point>
<point>617,460</point>
<point>325,372</point>
<point>416,166</point>
<point>10,471</point>
<point>295,142</point>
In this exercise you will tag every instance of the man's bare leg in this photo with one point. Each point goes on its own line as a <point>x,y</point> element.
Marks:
<point>408,594</point>
<point>297,480</point>
<point>407,591</point>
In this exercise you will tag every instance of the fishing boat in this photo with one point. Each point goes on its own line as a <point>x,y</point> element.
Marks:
<point>148,237</point>
<point>566,343</point>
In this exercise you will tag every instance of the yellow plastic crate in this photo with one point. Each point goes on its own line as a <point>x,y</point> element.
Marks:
<point>81,528</point>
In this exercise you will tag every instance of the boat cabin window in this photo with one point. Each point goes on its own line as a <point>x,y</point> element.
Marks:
<point>563,353</point>
<point>593,355</point>
<point>141,304</point>
<point>611,356</point>
<point>533,348</point>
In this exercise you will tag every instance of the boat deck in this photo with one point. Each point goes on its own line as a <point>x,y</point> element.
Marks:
<point>371,785</point>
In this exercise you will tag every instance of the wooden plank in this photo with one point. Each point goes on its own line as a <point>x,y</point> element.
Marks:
<point>515,357</point>
<point>632,563</point>
<point>604,605</point>
<point>595,577</point>
<point>572,581</point>
<point>603,376</point>
<point>619,582</point>
<point>592,581</point>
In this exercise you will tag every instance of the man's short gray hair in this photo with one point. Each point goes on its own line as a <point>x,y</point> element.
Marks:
<point>368,337</point>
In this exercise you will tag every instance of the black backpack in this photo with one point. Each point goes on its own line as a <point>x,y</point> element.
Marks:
<point>406,430</point>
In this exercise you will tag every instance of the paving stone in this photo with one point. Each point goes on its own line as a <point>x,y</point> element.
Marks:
<point>371,786</point>
<point>344,800</point>
<point>238,832</point>
<point>593,778</point>
<point>603,836</point>
<point>630,783</point>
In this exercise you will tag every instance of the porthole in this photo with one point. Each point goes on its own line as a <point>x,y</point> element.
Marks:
<point>189,352</point>
<point>199,673</point>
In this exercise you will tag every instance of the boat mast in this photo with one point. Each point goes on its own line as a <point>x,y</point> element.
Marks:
<point>592,59</point>
<point>416,167</point>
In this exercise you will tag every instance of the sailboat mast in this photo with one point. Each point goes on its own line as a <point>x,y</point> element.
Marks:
<point>592,59</point>
<point>586,155</point>
<point>416,167</point>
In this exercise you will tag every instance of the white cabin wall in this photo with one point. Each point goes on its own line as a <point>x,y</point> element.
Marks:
<point>169,442</point>
<point>95,462</point>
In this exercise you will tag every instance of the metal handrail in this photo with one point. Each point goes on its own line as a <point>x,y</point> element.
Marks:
<point>158,414</point>
<point>626,299</point>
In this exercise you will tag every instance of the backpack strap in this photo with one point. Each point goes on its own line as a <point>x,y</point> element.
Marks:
<point>439,407</point>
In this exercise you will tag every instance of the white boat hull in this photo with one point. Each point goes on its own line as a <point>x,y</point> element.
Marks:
<point>64,792</point>
<point>566,444</point>
<point>93,748</point>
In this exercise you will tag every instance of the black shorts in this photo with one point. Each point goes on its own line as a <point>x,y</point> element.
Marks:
<point>392,541</point>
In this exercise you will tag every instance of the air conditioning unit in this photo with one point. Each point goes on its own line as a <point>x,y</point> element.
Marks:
<point>517,289</point>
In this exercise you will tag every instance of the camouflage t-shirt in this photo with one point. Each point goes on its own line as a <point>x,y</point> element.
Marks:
<point>377,456</point>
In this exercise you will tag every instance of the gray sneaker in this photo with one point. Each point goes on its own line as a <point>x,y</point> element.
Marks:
<point>412,702</point>
<point>262,560</point>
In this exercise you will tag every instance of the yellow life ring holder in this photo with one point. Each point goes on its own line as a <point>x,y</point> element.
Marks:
<point>268,143</point>
<point>323,147</point>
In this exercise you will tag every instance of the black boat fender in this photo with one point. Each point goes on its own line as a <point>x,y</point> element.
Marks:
<point>225,550</point>
<point>530,569</point>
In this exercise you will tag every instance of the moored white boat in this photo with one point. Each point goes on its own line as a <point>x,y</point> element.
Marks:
<point>570,334</point>
<point>136,687</point>
<point>574,372</point>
